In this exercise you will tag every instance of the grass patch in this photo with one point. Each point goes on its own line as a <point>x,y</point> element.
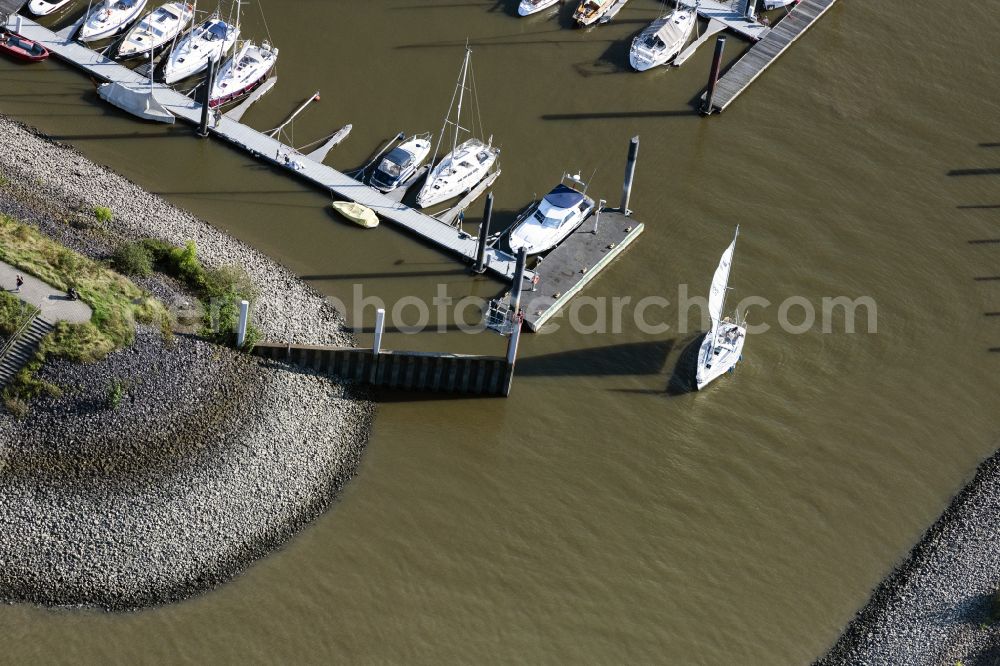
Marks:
<point>133,259</point>
<point>117,304</point>
<point>13,313</point>
<point>103,214</point>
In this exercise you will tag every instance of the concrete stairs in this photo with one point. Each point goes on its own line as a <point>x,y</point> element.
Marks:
<point>22,348</point>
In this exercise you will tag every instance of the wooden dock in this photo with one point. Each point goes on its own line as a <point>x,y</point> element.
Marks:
<point>265,148</point>
<point>766,51</point>
<point>731,14</point>
<point>578,260</point>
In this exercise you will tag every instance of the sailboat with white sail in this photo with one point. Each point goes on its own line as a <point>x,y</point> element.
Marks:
<point>722,347</point>
<point>210,40</point>
<point>468,163</point>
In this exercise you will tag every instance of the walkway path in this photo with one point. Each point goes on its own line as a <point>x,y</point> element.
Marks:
<point>53,305</point>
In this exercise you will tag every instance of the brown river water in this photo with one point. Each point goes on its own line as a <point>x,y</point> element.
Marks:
<point>594,516</point>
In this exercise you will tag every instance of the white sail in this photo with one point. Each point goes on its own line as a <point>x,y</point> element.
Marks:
<point>717,295</point>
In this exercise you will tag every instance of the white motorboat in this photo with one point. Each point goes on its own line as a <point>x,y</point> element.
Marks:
<point>776,4</point>
<point>46,7</point>
<point>467,163</point>
<point>401,163</point>
<point>243,73</point>
<point>156,29</point>
<point>560,212</point>
<point>528,7</point>
<point>109,18</point>
<point>722,347</point>
<point>663,39</point>
<point>210,40</point>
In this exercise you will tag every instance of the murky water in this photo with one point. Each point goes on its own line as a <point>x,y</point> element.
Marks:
<point>594,517</point>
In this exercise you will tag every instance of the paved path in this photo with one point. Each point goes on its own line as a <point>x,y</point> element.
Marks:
<point>54,304</point>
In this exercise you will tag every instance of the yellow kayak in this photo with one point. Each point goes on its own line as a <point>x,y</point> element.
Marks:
<point>356,213</point>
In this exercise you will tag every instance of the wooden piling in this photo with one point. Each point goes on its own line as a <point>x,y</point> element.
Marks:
<point>484,234</point>
<point>633,154</point>
<point>713,77</point>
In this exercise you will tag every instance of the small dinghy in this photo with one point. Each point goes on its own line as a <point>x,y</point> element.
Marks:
<point>22,48</point>
<point>356,213</point>
<point>46,7</point>
<point>722,347</point>
<point>109,18</point>
<point>401,163</point>
<point>243,73</point>
<point>663,39</point>
<point>156,29</point>
<point>211,40</point>
<point>528,7</point>
<point>546,224</point>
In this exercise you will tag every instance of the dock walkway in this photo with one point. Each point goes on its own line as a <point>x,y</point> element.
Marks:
<point>766,51</point>
<point>260,145</point>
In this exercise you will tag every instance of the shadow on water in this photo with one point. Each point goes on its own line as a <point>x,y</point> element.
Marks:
<point>991,171</point>
<point>634,358</point>
<point>978,206</point>
<point>605,115</point>
<point>681,380</point>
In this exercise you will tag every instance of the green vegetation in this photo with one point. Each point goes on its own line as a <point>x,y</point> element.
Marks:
<point>13,313</point>
<point>115,394</point>
<point>133,259</point>
<point>103,214</point>
<point>220,290</point>
<point>117,304</point>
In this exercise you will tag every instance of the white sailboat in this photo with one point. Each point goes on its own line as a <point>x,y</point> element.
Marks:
<point>663,39</point>
<point>528,7</point>
<point>156,29</point>
<point>243,73</point>
<point>109,18</point>
<point>467,163</point>
<point>210,40</point>
<point>722,347</point>
<point>46,7</point>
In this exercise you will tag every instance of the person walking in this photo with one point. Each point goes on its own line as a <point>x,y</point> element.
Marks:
<point>18,281</point>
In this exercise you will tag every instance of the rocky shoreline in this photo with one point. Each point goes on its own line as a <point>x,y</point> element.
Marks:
<point>172,465</point>
<point>935,607</point>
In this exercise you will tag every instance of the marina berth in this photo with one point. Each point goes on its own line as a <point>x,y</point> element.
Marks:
<point>209,41</point>
<point>401,163</point>
<point>243,73</point>
<point>109,18</point>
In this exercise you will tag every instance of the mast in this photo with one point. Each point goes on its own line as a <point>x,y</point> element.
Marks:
<point>461,96</point>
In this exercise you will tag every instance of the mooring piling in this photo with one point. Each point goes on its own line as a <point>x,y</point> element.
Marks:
<point>518,288</point>
<point>484,234</point>
<point>713,76</point>
<point>379,331</point>
<point>633,154</point>
<point>206,99</point>
<point>241,331</point>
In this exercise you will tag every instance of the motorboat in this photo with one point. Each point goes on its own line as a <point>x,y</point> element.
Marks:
<point>722,347</point>
<point>663,39</point>
<point>401,163</point>
<point>777,4</point>
<point>243,73</point>
<point>547,223</point>
<point>46,7</point>
<point>156,29</point>
<point>22,48</point>
<point>356,213</point>
<point>467,164</point>
<point>109,18</point>
<point>591,11</point>
<point>528,7</point>
<point>210,40</point>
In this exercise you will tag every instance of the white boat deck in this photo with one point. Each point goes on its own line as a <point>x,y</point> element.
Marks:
<point>270,150</point>
<point>732,14</point>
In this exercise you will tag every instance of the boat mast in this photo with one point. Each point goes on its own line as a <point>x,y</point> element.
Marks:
<point>725,289</point>
<point>461,96</point>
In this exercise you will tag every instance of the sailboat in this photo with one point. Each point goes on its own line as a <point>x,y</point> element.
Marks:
<point>156,29</point>
<point>467,163</point>
<point>528,7</point>
<point>109,18</point>
<point>722,347</point>
<point>210,40</point>
<point>243,73</point>
<point>663,39</point>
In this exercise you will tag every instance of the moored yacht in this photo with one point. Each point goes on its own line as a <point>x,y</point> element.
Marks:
<point>591,11</point>
<point>46,7</point>
<point>467,164</point>
<point>663,39</point>
<point>208,41</point>
<point>243,73</point>
<point>528,7</point>
<point>109,18</point>
<point>560,212</point>
<point>401,163</point>
<point>156,29</point>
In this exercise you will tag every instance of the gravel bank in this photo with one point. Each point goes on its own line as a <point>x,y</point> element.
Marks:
<point>933,608</point>
<point>170,466</point>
